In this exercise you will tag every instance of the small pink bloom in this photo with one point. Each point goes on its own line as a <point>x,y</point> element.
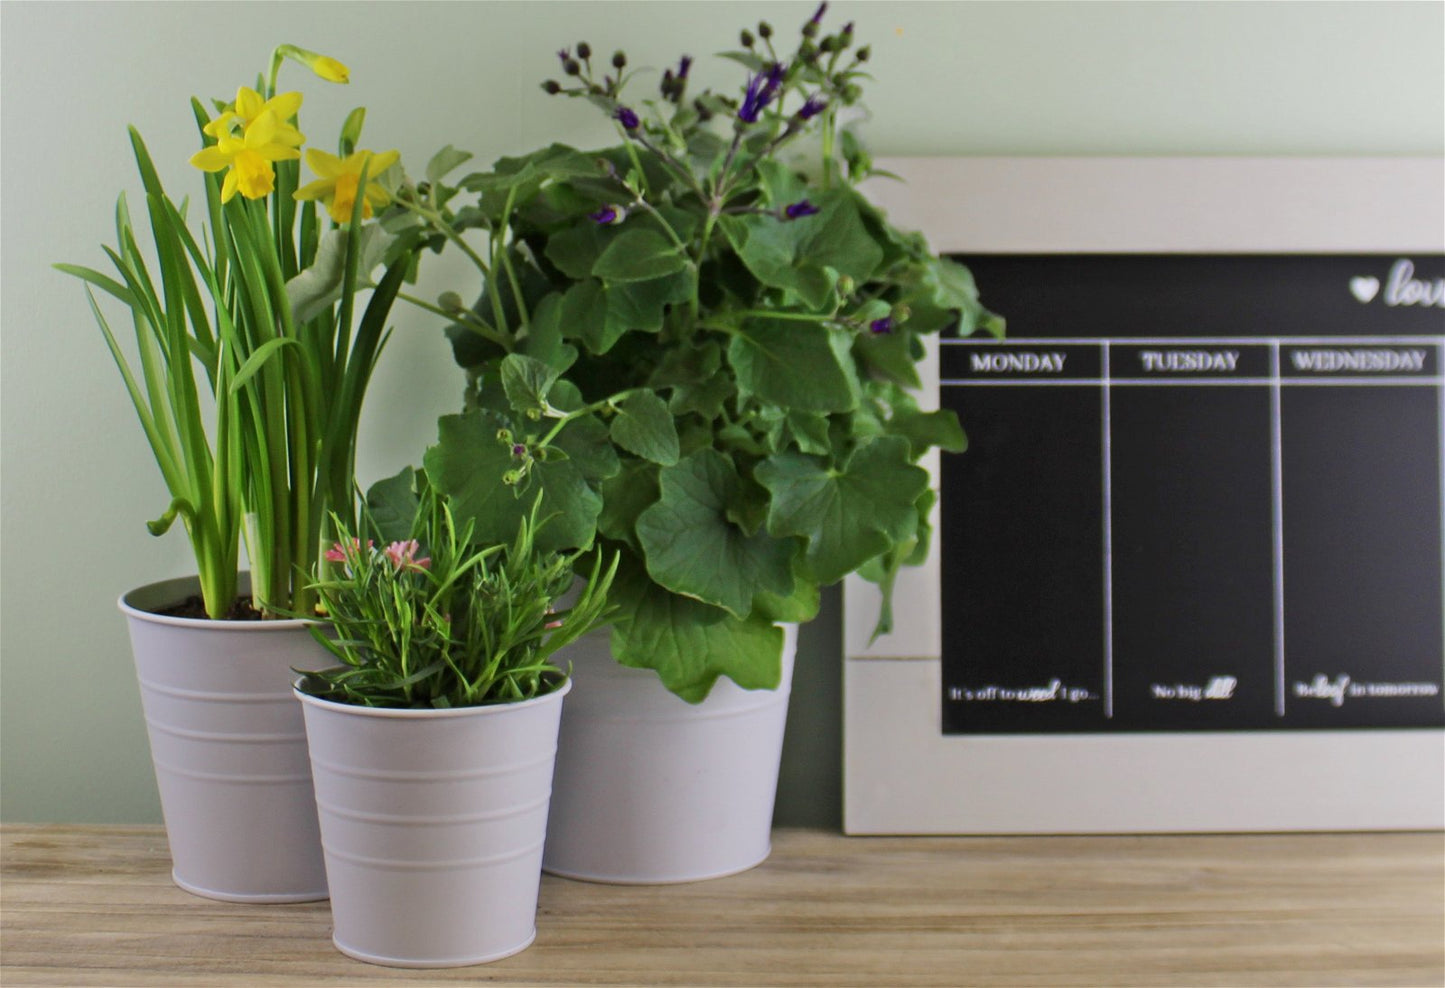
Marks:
<point>403,556</point>
<point>338,553</point>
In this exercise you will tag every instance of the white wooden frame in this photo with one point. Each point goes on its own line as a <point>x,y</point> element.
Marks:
<point>902,775</point>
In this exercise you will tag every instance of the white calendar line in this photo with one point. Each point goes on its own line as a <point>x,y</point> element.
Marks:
<point>1187,341</point>
<point>1276,455</point>
<point>1423,381</point>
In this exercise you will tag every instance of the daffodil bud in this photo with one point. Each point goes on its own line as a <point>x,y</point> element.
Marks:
<point>324,66</point>
<point>351,129</point>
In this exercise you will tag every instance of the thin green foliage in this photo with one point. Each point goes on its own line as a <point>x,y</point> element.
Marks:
<point>250,411</point>
<point>436,621</point>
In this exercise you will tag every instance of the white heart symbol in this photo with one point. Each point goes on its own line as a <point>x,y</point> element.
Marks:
<point>1364,289</point>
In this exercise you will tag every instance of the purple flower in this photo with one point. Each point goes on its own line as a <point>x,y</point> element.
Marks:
<point>761,90</point>
<point>683,66</point>
<point>628,118</point>
<point>812,108</point>
<point>564,54</point>
<point>608,216</point>
<point>799,209</point>
<point>518,450</point>
<point>881,326</point>
<point>817,17</point>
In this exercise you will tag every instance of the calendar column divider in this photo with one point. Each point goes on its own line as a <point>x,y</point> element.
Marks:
<point>1277,493</point>
<point>1108,533</point>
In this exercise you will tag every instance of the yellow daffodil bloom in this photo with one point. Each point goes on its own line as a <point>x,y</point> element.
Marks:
<point>248,157</point>
<point>339,178</point>
<point>248,108</point>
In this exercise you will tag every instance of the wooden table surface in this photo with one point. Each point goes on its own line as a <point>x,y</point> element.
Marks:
<point>95,906</point>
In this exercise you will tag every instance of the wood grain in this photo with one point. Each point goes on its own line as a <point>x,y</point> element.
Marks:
<point>95,906</point>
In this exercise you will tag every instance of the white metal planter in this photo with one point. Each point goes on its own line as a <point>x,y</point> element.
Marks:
<point>229,748</point>
<point>433,823</point>
<point>651,789</point>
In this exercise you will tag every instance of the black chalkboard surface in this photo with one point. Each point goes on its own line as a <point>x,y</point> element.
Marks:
<point>1203,492</point>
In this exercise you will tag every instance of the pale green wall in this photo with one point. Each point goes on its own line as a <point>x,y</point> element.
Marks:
<point>955,78</point>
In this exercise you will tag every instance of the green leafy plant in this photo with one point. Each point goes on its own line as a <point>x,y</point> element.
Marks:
<point>435,621</point>
<point>253,361</point>
<point>698,347</point>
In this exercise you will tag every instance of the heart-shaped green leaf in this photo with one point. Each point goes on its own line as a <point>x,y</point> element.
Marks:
<point>527,381</point>
<point>692,548</point>
<point>643,426</point>
<point>800,365</point>
<point>638,255</point>
<point>391,506</point>
<point>691,644</point>
<point>468,464</point>
<point>847,516</point>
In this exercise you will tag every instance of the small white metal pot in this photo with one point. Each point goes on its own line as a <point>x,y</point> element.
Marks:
<point>432,823</point>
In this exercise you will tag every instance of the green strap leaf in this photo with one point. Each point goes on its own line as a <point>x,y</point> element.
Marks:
<point>178,506</point>
<point>258,359</point>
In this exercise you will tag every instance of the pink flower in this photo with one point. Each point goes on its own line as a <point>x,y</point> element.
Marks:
<point>403,556</point>
<point>338,553</point>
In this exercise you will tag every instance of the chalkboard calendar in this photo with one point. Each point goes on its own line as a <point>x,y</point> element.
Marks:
<point>1202,493</point>
<point>1188,575</point>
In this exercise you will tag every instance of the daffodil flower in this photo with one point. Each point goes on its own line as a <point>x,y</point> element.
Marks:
<point>248,157</point>
<point>248,109</point>
<point>339,179</point>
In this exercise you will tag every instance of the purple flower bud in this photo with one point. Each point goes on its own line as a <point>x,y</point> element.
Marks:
<point>628,118</point>
<point>882,326</point>
<point>811,108</point>
<point>799,209</point>
<point>608,216</point>
<point>817,17</point>
<point>564,54</point>
<point>519,450</point>
<point>760,92</point>
<point>683,66</point>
